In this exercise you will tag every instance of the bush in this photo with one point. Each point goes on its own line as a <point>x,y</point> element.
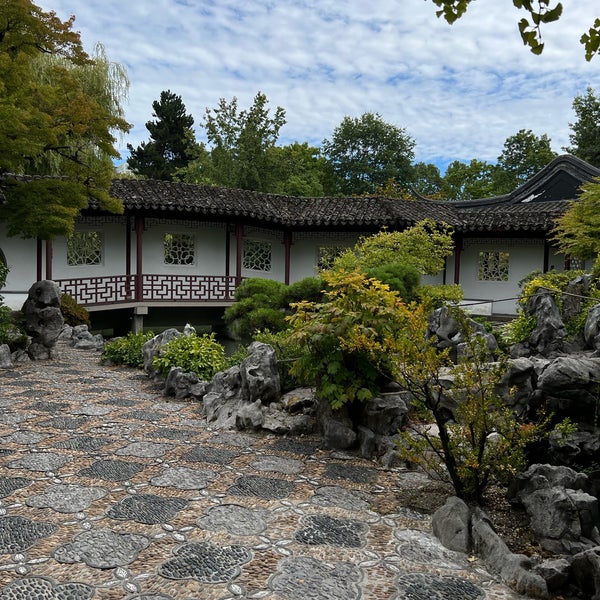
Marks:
<point>12,330</point>
<point>310,289</point>
<point>200,354</point>
<point>127,350</point>
<point>258,305</point>
<point>436,296</point>
<point>401,278</point>
<point>73,313</point>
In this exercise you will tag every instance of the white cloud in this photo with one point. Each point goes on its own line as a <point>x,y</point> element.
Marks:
<point>459,91</point>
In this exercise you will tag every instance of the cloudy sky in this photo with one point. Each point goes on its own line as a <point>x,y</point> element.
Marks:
<point>458,91</point>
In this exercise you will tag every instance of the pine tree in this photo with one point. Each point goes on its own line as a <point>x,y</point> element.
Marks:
<point>172,144</point>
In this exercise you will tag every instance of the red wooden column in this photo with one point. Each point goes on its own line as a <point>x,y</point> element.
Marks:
<point>48,259</point>
<point>239,241</point>
<point>127,256</point>
<point>287,242</point>
<point>139,252</point>
<point>458,248</point>
<point>546,265</point>
<point>227,261</point>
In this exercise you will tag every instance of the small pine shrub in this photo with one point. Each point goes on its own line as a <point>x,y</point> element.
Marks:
<point>73,313</point>
<point>310,289</point>
<point>401,278</point>
<point>200,354</point>
<point>127,350</point>
<point>12,330</point>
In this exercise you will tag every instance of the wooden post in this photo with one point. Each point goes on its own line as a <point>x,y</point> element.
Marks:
<point>227,261</point>
<point>546,264</point>
<point>287,241</point>
<point>239,240</point>
<point>139,250</point>
<point>128,257</point>
<point>458,248</point>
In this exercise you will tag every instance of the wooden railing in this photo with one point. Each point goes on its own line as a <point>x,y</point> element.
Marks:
<point>120,289</point>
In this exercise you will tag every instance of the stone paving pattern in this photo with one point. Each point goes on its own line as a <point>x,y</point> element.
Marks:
<point>110,491</point>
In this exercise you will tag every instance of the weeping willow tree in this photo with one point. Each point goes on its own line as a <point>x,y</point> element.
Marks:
<point>60,110</point>
<point>577,232</point>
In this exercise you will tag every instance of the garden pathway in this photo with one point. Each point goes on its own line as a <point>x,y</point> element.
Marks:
<point>110,491</point>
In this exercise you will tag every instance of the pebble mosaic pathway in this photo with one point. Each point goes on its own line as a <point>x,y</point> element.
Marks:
<point>109,491</point>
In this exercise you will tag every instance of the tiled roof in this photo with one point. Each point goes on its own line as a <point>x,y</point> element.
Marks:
<point>286,211</point>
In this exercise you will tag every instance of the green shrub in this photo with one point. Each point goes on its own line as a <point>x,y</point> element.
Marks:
<point>259,305</point>
<point>309,289</point>
<point>12,331</point>
<point>127,350</point>
<point>436,296</point>
<point>200,354</point>
<point>401,278</point>
<point>73,313</point>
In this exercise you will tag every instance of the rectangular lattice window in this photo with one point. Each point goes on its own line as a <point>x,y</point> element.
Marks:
<point>493,266</point>
<point>85,248</point>
<point>179,249</point>
<point>327,254</point>
<point>256,255</point>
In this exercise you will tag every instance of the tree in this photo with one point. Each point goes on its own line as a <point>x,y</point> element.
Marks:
<point>585,138</point>
<point>366,152</point>
<point>172,144</point>
<point>297,170</point>
<point>59,108</point>
<point>577,231</point>
<point>540,12</point>
<point>240,142</point>
<point>427,180</point>
<point>467,181</point>
<point>524,154</point>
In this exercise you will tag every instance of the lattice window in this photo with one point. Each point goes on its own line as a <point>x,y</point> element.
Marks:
<point>85,248</point>
<point>493,266</point>
<point>179,248</point>
<point>327,254</point>
<point>574,263</point>
<point>256,255</point>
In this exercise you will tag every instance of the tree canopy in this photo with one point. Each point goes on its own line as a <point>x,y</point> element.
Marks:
<point>585,136</point>
<point>365,152</point>
<point>540,12</point>
<point>240,141</point>
<point>172,144</point>
<point>59,108</point>
<point>577,231</point>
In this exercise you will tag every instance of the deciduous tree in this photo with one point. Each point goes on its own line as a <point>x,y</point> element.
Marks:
<point>366,152</point>
<point>464,181</point>
<point>523,155</point>
<point>59,108</point>
<point>540,12</point>
<point>240,141</point>
<point>172,144</point>
<point>585,138</point>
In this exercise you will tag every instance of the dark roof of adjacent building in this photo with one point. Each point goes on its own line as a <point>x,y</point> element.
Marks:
<point>532,207</point>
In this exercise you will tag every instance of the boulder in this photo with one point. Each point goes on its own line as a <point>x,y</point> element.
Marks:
<point>6,361</point>
<point>514,569</point>
<point>250,416</point>
<point>452,525</point>
<point>549,333</point>
<point>259,373</point>
<point>182,384</point>
<point>43,318</point>
<point>555,573</point>
<point>585,572</point>
<point>153,347</point>
<point>385,414</point>
<point>591,329</point>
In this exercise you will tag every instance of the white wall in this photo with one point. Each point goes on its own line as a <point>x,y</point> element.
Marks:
<point>525,256</point>
<point>21,258</point>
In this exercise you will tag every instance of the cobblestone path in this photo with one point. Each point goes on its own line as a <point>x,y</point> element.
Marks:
<point>109,491</point>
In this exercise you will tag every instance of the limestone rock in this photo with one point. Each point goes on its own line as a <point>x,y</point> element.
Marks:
<point>591,330</point>
<point>452,525</point>
<point>549,333</point>
<point>153,347</point>
<point>260,377</point>
<point>6,361</point>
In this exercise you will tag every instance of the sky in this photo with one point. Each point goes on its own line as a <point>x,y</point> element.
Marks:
<point>459,91</point>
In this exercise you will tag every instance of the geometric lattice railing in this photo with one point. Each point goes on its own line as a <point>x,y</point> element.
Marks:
<point>117,289</point>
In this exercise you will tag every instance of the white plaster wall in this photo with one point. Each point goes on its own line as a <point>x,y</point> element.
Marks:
<point>525,256</point>
<point>209,248</point>
<point>21,258</point>
<point>305,251</point>
<point>113,259</point>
